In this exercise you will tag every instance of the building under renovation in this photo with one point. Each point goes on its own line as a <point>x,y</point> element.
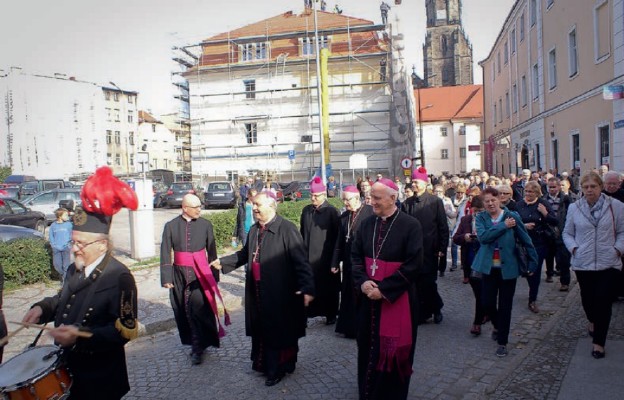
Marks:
<point>254,105</point>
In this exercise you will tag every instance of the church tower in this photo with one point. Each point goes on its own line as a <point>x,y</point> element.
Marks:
<point>447,52</point>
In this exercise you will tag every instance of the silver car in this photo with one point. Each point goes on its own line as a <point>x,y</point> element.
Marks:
<point>48,201</point>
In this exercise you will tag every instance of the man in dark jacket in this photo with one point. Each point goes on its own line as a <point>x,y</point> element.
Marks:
<point>556,250</point>
<point>518,186</point>
<point>429,211</point>
<point>612,182</point>
<point>94,314</point>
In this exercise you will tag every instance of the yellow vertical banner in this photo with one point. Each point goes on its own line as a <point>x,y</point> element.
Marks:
<point>325,102</point>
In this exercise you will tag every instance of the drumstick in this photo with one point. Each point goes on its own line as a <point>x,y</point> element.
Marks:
<point>5,339</point>
<point>49,328</point>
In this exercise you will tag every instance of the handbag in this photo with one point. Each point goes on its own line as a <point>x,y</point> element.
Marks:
<point>522,257</point>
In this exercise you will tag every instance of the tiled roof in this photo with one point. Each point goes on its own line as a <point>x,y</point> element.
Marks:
<point>290,22</point>
<point>450,102</point>
<point>285,33</point>
<point>145,117</point>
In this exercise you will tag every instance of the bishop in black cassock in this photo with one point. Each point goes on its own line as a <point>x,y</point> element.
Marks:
<point>193,292</point>
<point>319,226</point>
<point>387,258</point>
<point>278,285</point>
<point>350,222</point>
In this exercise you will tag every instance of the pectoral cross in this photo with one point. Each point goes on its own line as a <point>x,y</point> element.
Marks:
<point>374,268</point>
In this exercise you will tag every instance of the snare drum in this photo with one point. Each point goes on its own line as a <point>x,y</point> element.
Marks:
<point>35,374</point>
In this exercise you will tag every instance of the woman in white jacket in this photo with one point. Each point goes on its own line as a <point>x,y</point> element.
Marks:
<point>594,235</point>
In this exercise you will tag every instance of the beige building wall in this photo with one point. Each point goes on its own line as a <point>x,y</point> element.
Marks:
<point>554,79</point>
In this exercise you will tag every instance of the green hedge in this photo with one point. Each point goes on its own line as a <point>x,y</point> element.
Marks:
<point>26,261</point>
<point>224,222</point>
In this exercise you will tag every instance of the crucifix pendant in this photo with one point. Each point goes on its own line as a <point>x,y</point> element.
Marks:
<point>374,268</point>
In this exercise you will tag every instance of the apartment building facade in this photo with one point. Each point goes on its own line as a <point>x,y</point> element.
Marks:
<point>158,141</point>
<point>51,126</point>
<point>451,120</point>
<point>543,87</point>
<point>121,126</point>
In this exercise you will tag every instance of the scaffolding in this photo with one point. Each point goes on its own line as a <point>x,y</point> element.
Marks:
<point>364,49</point>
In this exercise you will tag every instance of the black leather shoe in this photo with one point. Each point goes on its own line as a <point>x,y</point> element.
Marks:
<point>273,381</point>
<point>437,318</point>
<point>330,320</point>
<point>196,359</point>
<point>598,354</point>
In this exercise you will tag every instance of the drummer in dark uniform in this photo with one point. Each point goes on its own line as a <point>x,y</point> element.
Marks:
<point>99,296</point>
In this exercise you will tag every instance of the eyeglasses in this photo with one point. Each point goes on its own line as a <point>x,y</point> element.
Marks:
<point>197,207</point>
<point>81,245</point>
<point>507,193</point>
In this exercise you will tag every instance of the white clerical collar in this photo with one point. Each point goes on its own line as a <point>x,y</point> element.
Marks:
<point>391,214</point>
<point>187,219</point>
<point>89,268</point>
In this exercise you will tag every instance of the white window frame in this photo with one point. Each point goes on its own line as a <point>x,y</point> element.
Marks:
<point>535,82</point>
<point>444,154</point>
<point>574,132</point>
<point>462,152</point>
<point>507,105</point>
<point>512,39</point>
<point>573,61</point>
<point>552,68</point>
<point>600,125</point>
<point>597,57</point>
<point>506,51</point>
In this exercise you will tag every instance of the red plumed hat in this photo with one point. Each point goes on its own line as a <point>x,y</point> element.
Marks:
<point>103,195</point>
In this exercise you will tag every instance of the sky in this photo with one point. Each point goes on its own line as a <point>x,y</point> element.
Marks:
<point>128,42</point>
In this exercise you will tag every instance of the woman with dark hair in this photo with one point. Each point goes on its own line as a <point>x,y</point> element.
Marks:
<point>466,238</point>
<point>497,230</point>
<point>594,235</point>
<point>538,217</point>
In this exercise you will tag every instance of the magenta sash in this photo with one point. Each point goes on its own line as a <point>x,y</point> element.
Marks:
<point>200,265</point>
<point>255,270</point>
<point>395,326</point>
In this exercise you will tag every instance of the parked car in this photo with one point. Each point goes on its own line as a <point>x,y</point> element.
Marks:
<point>10,232</point>
<point>12,212</point>
<point>220,194</point>
<point>47,202</point>
<point>12,192</point>
<point>32,187</point>
<point>177,190</point>
<point>19,179</point>
<point>159,189</point>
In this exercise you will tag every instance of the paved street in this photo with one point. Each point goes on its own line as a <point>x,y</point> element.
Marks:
<point>450,363</point>
<point>548,352</point>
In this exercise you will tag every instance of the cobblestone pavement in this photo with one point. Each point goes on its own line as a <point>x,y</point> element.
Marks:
<point>449,362</point>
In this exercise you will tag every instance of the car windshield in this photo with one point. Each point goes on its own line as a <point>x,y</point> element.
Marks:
<point>181,186</point>
<point>213,187</point>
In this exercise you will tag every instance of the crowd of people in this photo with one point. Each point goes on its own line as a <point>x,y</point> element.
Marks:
<point>371,269</point>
